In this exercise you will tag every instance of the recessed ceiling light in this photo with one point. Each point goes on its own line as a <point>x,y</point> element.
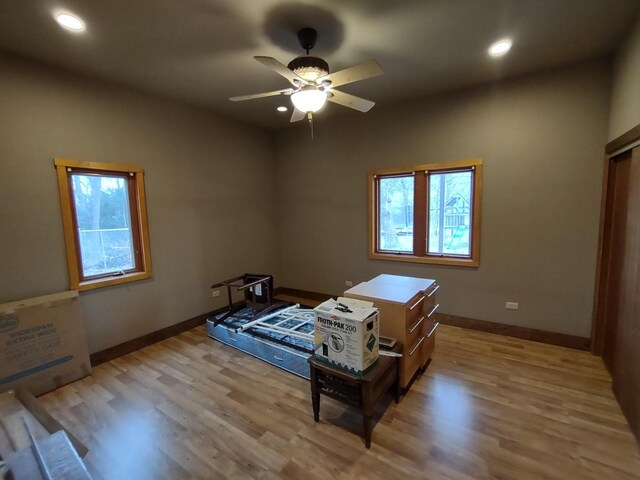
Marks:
<point>70,22</point>
<point>500,48</point>
<point>282,108</point>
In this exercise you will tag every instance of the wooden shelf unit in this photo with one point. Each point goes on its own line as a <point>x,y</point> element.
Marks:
<point>407,306</point>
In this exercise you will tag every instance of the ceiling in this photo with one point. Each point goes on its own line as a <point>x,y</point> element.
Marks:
<point>200,51</point>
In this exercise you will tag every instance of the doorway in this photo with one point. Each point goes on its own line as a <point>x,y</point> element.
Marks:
<point>616,334</point>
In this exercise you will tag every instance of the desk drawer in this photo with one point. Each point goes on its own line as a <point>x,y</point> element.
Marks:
<point>430,313</point>
<point>414,310</point>
<point>416,330</point>
<point>430,295</point>
<point>413,357</point>
<point>428,346</point>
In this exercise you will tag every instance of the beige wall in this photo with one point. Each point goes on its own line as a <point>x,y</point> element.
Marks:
<point>541,138</point>
<point>213,213</point>
<point>208,182</point>
<point>625,90</point>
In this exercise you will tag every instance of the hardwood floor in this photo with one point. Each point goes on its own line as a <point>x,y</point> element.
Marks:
<point>487,407</point>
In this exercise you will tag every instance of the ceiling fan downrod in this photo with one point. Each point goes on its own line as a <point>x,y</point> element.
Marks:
<point>307,38</point>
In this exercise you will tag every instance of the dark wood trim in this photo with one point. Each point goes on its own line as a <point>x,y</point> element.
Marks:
<point>542,336</point>
<point>293,292</point>
<point>561,339</point>
<point>601,288</point>
<point>623,140</point>
<point>153,337</point>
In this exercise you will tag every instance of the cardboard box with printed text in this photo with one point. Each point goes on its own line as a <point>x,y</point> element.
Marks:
<point>43,344</point>
<point>346,334</point>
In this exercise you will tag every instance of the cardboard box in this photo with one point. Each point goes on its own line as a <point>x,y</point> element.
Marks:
<point>43,344</point>
<point>347,333</point>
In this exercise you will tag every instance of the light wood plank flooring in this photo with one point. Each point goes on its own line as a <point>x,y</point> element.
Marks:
<point>488,407</point>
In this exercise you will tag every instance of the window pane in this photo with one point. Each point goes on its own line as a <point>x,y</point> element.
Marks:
<point>395,221</point>
<point>104,223</point>
<point>450,213</point>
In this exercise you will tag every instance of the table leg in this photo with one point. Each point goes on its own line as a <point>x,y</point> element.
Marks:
<point>398,387</point>
<point>315,399</point>
<point>366,422</point>
<point>315,395</point>
<point>367,407</point>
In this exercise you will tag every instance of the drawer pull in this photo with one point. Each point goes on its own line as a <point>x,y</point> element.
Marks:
<point>280,359</point>
<point>416,325</point>
<point>435,327</point>
<point>433,291</point>
<point>433,310</point>
<point>416,347</point>
<point>417,303</point>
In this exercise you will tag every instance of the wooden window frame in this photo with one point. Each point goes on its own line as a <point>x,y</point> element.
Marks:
<point>421,212</point>
<point>139,224</point>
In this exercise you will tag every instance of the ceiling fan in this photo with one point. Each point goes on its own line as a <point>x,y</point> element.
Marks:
<point>312,84</point>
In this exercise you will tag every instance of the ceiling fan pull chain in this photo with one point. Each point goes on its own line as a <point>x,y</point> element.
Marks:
<point>310,117</point>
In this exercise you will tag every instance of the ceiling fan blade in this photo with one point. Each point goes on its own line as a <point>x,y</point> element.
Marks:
<point>281,69</point>
<point>361,71</point>
<point>350,101</point>
<point>297,115</point>
<point>284,91</point>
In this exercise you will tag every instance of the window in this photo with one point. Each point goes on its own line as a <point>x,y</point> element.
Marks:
<point>427,213</point>
<point>105,223</point>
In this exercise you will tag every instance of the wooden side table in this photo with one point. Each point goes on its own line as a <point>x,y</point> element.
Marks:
<point>362,392</point>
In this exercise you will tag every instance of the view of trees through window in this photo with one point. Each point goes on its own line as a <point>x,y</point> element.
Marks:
<point>444,224</point>
<point>450,213</point>
<point>103,219</point>
<point>396,214</point>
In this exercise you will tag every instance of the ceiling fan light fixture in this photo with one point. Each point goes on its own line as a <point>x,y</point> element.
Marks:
<point>309,99</point>
<point>309,68</point>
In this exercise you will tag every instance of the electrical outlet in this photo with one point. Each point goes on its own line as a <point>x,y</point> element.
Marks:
<point>348,283</point>
<point>215,293</point>
<point>512,306</point>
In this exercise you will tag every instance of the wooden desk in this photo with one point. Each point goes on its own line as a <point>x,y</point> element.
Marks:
<point>362,392</point>
<point>407,306</point>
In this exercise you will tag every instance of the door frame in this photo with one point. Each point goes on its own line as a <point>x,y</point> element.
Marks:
<point>618,146</point>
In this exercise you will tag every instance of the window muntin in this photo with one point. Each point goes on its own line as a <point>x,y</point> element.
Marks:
<point>105,223</point>
<point>446,195</point>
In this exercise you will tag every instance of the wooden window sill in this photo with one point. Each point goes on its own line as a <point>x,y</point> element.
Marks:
<point>459,262</point>
<point>108,281</point>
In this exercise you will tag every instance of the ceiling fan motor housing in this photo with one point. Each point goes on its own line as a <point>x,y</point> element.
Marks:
<point>309,68</point>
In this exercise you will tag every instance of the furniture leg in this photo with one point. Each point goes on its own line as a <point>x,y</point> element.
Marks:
<point>315,399</point>
<point>366,422</point>
<point>315,394</point>
<point>367,407</point>
<point>397,391</point>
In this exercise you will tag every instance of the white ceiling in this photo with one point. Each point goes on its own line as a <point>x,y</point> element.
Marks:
<point>200,51</point>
